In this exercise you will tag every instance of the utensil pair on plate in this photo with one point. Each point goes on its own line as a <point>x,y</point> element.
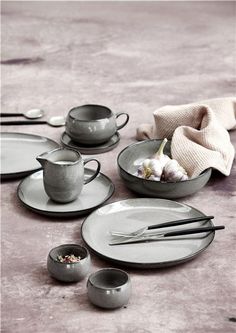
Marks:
<point>139,235</point>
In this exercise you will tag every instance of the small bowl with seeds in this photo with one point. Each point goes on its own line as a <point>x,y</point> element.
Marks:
<point>68,262</point>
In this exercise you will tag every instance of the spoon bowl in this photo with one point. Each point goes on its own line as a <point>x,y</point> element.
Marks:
<point>56,121</point>
<point>33,114</point>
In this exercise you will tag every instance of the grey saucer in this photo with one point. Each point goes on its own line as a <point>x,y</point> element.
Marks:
<point>102,148</point>
<point>32,194</point>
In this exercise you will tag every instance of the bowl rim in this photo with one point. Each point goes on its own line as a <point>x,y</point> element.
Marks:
<point>68,245</point>
<point>90,120</point>
<point>107,270</point>
<point>203,173</point>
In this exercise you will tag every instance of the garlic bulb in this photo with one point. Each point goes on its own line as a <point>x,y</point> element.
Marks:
<point>162,167</point>
<point>160,156</point>
<point>150,169</point>
<point>174,172</point>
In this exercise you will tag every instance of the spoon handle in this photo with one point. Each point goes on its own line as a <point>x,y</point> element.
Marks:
<point>2,114</point>
<point>193,231</point>
<point>23,122</point>
<point>180,222</point>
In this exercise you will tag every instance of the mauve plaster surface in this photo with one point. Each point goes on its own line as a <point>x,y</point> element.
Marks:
<point>132,57</point>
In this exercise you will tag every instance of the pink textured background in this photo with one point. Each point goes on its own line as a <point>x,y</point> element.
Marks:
<point>132,57</point>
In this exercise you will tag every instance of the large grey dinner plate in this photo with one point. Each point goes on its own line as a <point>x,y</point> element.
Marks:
<point>129,215</point>
<point>102,148</point>
<point>19,152</point>
<point>32,194</point>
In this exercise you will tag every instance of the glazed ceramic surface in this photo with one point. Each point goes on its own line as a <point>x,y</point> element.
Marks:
<point>132,156</point>
<point>132,214</point>
<point>109,288</point>
<point>32,194</point>
<point>99,149</point>
<point>92,124</point>
<point>63,174</point>
<point>19,152</point>
<point>68,272</point>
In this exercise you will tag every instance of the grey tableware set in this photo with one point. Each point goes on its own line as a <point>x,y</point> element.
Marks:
<point>63,168</point>
<point>63,180</point>
<point>66,187</point>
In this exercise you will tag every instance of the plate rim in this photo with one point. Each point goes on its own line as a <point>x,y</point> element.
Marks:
<point>12,175</point>
<point>67,213</point>
<point>150,264</point>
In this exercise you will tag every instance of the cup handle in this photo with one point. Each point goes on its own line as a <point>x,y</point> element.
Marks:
<point>125,122</point>
<point>86,160</point>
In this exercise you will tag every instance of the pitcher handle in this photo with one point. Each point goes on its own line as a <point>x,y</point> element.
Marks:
<point>125,122</point>
<point>86,160</point>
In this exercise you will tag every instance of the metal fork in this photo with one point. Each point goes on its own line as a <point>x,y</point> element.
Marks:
<point>141,231</point>
<point>166,234</point>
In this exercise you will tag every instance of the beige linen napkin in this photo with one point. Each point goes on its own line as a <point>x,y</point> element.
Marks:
<point>199,133</point>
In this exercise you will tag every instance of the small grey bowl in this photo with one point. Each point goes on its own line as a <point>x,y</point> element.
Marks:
<point>109,288</point>
<point>68,272</point>
<point>132,156</point>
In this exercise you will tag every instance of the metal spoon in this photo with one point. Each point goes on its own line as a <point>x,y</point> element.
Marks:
<point>53,121</point>
<point>30,114</point>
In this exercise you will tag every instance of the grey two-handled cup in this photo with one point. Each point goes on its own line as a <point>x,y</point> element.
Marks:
<point>93,124</point>
<point>63,173</point>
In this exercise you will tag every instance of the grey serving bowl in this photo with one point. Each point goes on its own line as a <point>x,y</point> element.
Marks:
<point>68,272</point>
<point>133,155</point>
<point>109,288</point>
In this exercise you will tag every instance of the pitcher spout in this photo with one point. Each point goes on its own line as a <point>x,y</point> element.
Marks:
<point>42,159</point>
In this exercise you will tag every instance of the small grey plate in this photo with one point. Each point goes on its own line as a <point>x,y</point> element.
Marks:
<point>19,152</point>
<point>109,145</point>
<point>132,214</point>
<point>32,194</point>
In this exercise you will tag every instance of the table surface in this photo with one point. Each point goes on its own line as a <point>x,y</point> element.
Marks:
<point>132,57</point>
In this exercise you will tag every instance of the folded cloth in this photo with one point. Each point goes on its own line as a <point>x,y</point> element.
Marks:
<point>198,131</point>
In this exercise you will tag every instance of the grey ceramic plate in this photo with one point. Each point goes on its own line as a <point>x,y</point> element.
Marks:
<point>31,193</point>
<point>111,144</point>
<point>132,156</point>
<point>129,215</point>
<point>19,151</point>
